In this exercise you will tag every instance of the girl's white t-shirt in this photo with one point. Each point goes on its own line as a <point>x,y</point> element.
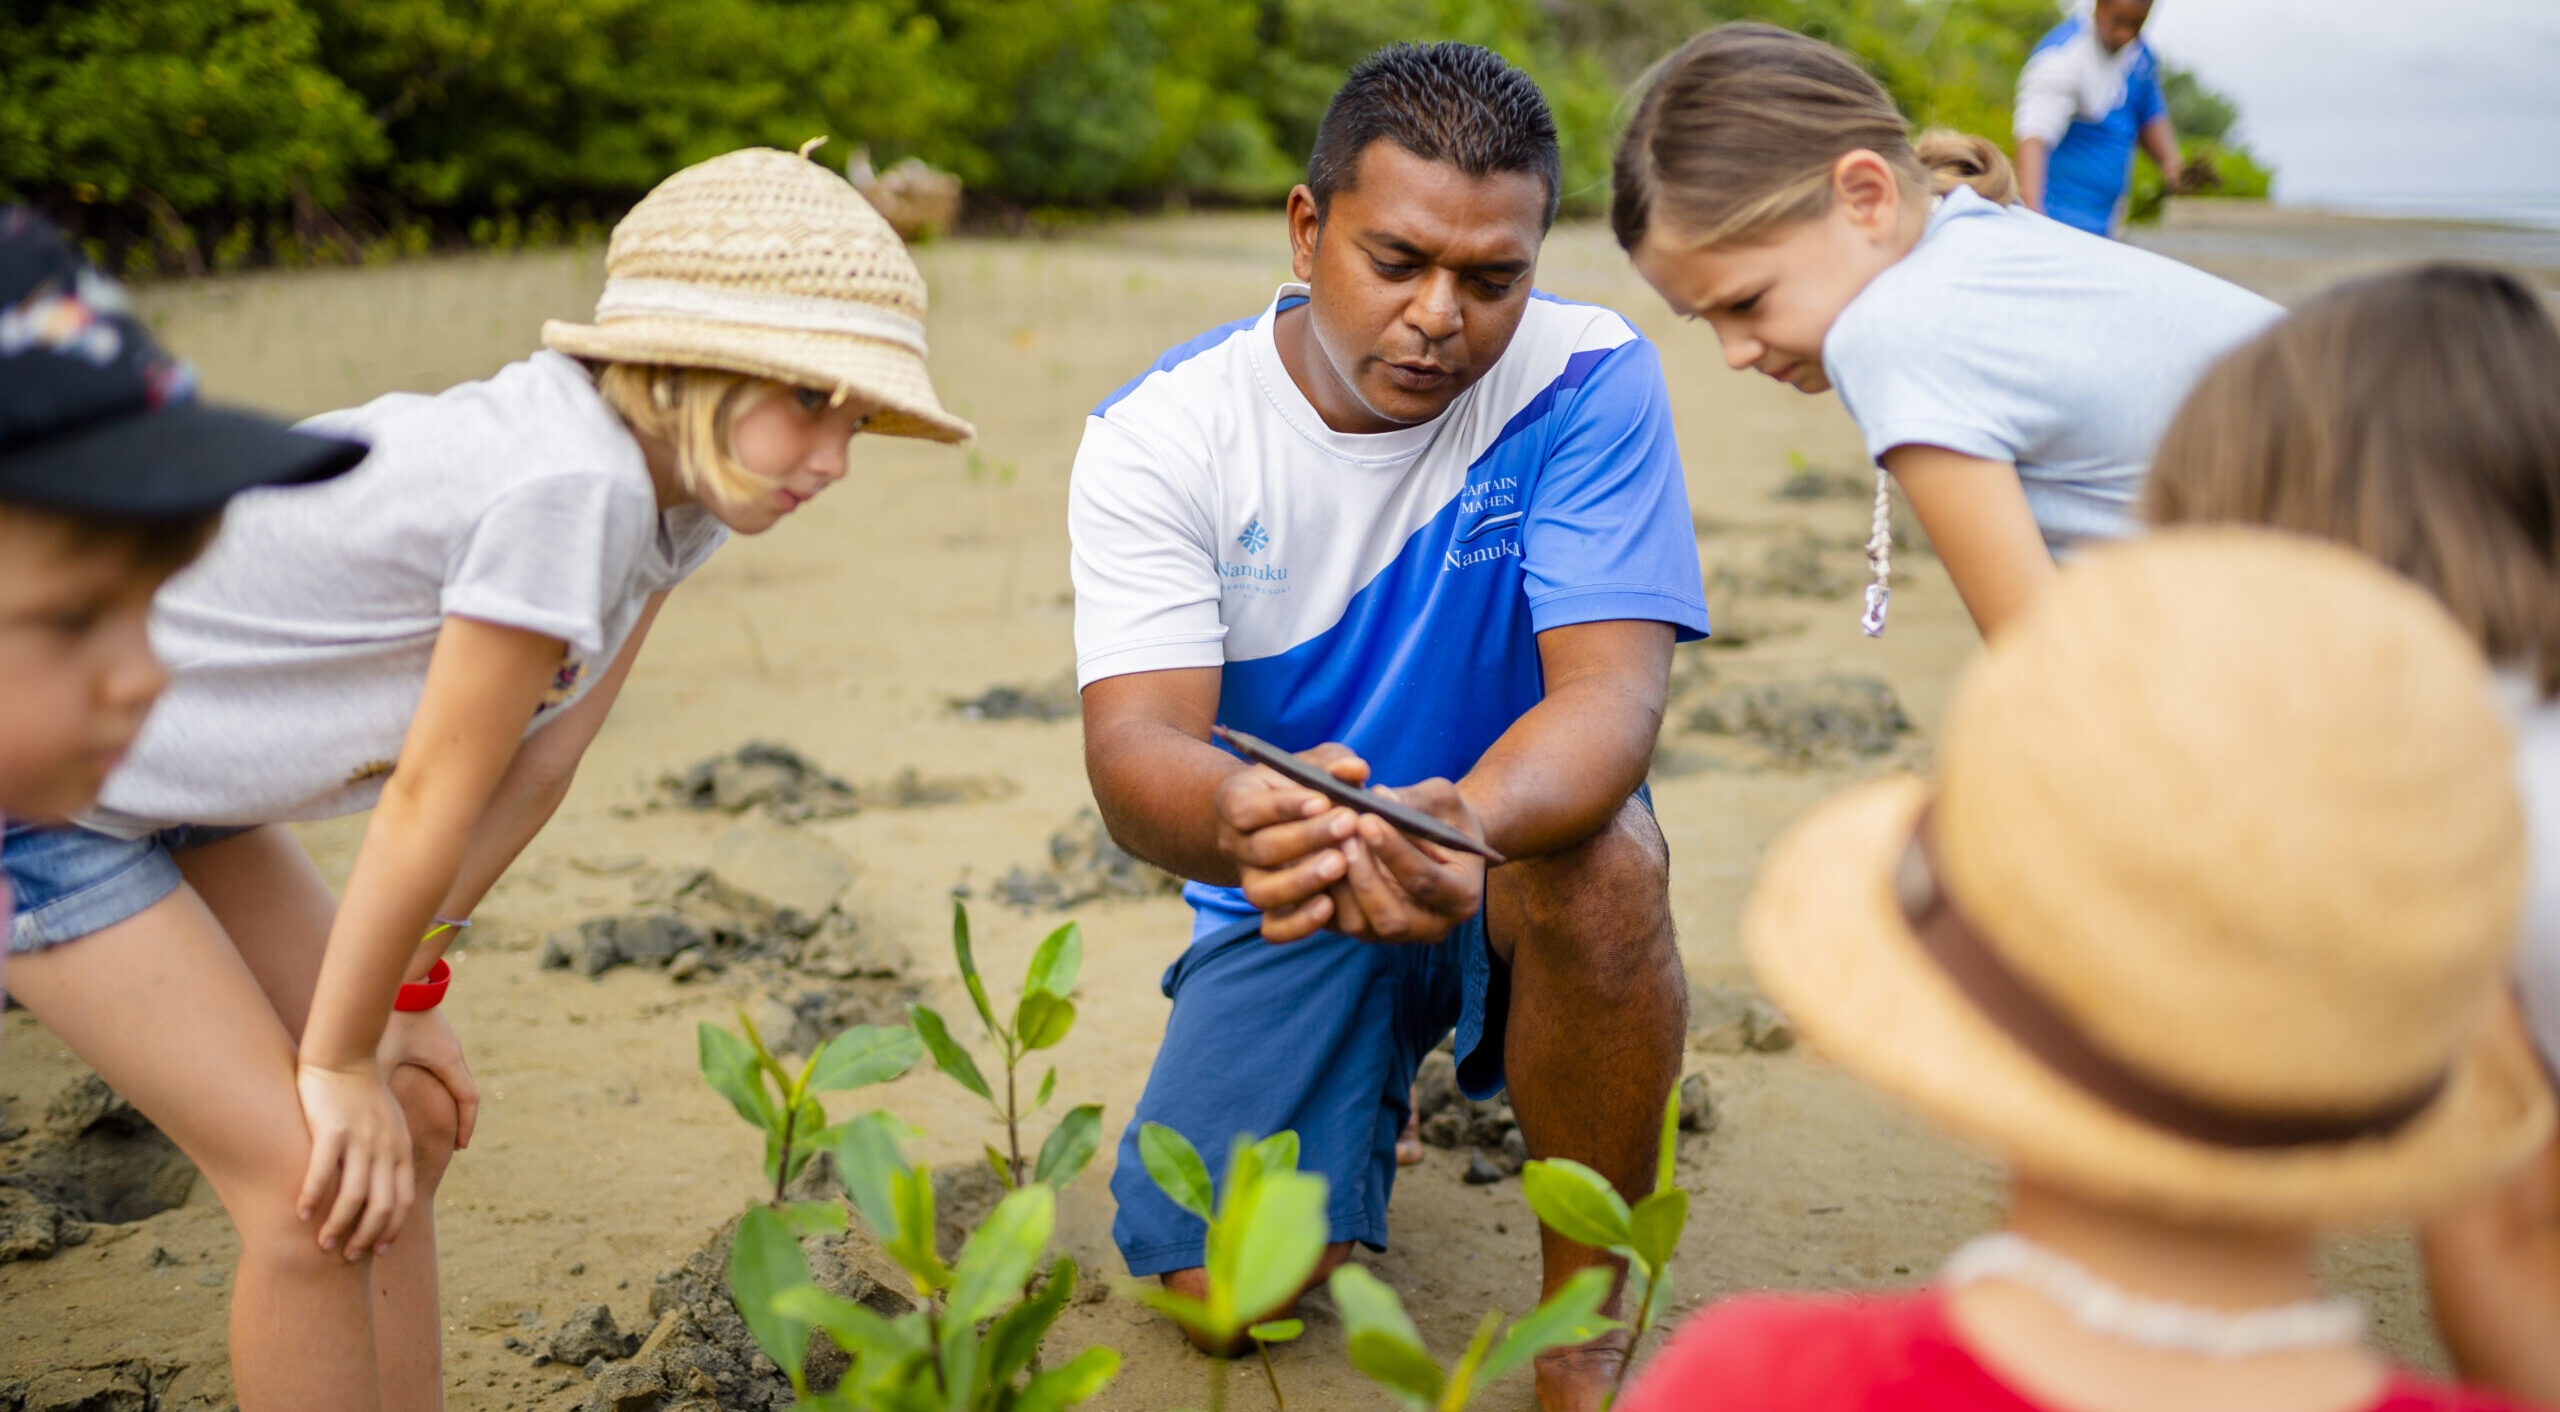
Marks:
<point>2009,336</point>
<point>298,645</point>
<point>2537,727</point>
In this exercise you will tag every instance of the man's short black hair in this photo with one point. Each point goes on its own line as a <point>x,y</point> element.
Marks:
<point>1461,104</point>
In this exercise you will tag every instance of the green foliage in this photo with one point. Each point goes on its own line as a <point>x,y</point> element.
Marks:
<point>973,1341</point>
<point>1266,1235</point>
<point>1579,1204</point>
<point>785,1106</point>
<point>1041,1018</point>
<point>191,125</point>
<point>1385,1347</point>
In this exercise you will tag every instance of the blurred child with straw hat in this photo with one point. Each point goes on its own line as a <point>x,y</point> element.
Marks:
<point>436,636</point>
<point>2203,930</point>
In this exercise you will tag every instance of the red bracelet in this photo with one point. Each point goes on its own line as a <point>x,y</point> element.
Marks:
<point>426,994</point>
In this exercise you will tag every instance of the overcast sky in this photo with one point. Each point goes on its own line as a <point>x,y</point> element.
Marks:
<point>2447,105</point>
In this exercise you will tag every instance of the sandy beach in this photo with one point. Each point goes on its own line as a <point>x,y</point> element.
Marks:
<point>930,576</point>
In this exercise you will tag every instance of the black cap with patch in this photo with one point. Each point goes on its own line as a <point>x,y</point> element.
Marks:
<point>96,420</point>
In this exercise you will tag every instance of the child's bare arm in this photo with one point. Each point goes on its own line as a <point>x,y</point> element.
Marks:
<point>1977,517</point>
<point>482,686</point>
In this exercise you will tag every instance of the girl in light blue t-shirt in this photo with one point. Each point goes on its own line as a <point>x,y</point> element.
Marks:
<point>2011,373</point>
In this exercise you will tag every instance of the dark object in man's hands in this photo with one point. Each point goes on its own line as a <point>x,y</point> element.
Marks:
<point>1404,816</point>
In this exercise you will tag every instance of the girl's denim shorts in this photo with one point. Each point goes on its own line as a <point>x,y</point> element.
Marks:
<point>70,881</point>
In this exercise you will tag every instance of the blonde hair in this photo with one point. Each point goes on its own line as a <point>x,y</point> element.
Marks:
<point>693,411</point>
<point>1739,131</point>
<point>2409,416</point>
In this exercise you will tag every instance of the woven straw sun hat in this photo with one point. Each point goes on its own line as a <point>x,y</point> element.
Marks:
<point>2211,913</point>
<point>763,262</point>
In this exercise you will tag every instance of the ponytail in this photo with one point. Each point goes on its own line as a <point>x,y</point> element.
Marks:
<point>1956,159</point>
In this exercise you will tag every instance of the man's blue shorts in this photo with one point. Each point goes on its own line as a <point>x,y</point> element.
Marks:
<point>1320,1037</point>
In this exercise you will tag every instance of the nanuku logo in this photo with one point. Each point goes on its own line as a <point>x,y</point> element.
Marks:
<point>1255,538</point>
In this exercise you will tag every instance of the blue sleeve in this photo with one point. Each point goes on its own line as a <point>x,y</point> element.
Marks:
<point>2146,96</point>
<point>1607,533</point>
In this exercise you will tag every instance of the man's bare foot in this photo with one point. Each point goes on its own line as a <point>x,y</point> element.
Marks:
<point>1578,1379</point>
<point>1409,1142</point>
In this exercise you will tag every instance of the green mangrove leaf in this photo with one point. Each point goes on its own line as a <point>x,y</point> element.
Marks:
<point>1277,1330</point>
<point>764,1260</point>
<point>1176,1167</point>
<point>948,1056</point>
<point>863,1055</point>
<point>1048,1086</point>
<point>1071,1144</point>
<point>1367,1304</point>
<point>1279,1152</point>
<point>1461,1387</point>
<point>1571,1315</point>
<point>1402,1368</point>
<point>1282,1241</point>
<point>729,1065</point>
<point>1576,1202</point>
<point>969,968</point>
<point>911,1193</point>
<point>810,1218</point>
<point>1002,1253</point>
<point>1072,1382</point>
<point>868,1159</point>
<point>1668,1155</point>
<point>963,1360</point>
<point>1055,965</point>
<point>1656,1224</point>
<point>1015,1335</point>
<point>852,1327</point>
<point>1003,1166</point>
<point>1042,1019</point>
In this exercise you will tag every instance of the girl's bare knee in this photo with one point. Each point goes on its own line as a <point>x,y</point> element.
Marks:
<point>434,1119</point>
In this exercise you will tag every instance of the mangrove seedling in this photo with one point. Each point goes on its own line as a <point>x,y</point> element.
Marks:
<point>969,1345</point>
<point>1041,1018</point>
<point>1580,1205</point>
<point>1266,1234</point>
<point>1383,1344</point>
<point>785,1106</point>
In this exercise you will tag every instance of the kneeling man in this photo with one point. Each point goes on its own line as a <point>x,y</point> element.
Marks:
<point>1426,525</point>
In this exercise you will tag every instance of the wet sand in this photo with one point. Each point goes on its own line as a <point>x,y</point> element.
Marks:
<point>932,574</point>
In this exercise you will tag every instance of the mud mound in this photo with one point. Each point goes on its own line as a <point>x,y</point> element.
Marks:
<point>1807,482</point>
<point>699,1357</point>
<point>1448,1118</point>
<point>1805,723</point>
<point>909,789</point>
<point>1798,565</point>
<point>96,1161</point>
<point>767,896</point>
<point>1084,864</point>
<point>761,775</point>
<point>131,1385</point>
<point>1052,700</point>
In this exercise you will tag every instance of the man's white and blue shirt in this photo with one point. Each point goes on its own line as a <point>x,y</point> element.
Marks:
<point>1386,590</point>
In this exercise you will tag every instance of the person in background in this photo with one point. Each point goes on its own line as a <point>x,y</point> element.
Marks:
<point>112,478</point>
<point>2089,94</point>
<point>2204,930</point>
<point>1420,521</point>
<point>2012,376</point>
<point>435,636</point>
<point>2411,416</point>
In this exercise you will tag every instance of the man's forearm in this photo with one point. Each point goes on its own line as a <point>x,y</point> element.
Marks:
<point>2031,173</point>
<point>2161,141</point>
<point>1156,787</point>
<point>1562,771</point>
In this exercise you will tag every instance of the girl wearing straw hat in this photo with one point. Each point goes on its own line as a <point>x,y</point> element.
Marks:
<point>2203,930</point>
<point>2411,416</point>
<point>436,636</point>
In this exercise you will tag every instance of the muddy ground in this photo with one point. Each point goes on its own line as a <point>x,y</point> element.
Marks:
<point>906,636</point>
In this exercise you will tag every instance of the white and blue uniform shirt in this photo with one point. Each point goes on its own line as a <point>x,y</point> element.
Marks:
<point>1386,590</point>
<point>2088,107</point>
<point>2010,337</point>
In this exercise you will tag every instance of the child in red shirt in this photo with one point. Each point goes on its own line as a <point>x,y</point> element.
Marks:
<point>2204,931</point>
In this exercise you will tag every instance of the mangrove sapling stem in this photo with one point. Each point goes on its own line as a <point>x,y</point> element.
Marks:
<point>782,1168</point>
<point>1012,1118</point>
<point>1270,1376</point>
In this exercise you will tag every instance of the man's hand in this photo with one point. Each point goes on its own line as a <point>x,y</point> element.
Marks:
<point>1401,889</point>
<point>422,1037</point>
<point>1309,864</point>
